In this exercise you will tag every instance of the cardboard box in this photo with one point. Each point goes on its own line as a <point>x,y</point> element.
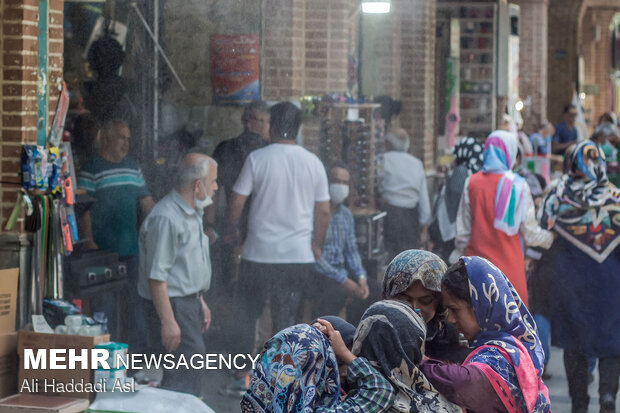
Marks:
<point>31,403</point>
<point>46,381</point>
<point>8,364</point>
<point>8,299</point>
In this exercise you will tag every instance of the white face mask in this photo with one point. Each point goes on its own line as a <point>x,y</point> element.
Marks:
<point>202,203</point>
<point>338,193</point>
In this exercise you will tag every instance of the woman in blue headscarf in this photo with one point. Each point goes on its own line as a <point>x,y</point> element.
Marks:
<point>298,372</point>
<point>503,372</point>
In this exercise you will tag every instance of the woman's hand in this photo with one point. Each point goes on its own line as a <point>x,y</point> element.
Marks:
<point>340,349</point>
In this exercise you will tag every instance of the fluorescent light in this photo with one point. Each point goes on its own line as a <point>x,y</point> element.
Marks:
<point>376,7</point>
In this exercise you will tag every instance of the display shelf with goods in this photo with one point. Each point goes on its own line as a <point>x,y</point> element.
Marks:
<point>349,134</point>
<point>477,57</point>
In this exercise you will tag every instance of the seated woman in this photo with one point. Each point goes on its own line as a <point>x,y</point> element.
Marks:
<point>414,276</point>
<point>503,372</point>
<point>391,337</point>
<point>298,372</point>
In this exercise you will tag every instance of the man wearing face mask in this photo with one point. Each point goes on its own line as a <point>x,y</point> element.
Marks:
<point>340,271</point>
<point>175,269</point>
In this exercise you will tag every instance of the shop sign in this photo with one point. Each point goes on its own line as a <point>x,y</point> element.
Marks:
<point>235,64</point>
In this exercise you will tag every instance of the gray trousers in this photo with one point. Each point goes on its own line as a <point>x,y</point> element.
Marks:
<point>188,314</point>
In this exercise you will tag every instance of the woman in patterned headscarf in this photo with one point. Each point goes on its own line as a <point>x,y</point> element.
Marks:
<point>500,204</point>
<point>583,208</point>
<point>298,373</point>
<point>414,276</point>
<point>503,372</point>
<point>468,160</point>
<point>391,336</point>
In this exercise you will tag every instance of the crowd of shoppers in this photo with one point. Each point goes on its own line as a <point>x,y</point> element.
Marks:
<point>439,338</point>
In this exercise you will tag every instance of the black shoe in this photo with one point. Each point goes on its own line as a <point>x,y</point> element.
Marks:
<point>607,403</point>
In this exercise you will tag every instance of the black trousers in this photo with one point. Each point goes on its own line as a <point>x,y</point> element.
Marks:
<point>283,284</point>
<point>576,366</point>
<point>188,315</point>
<point>401,229</point>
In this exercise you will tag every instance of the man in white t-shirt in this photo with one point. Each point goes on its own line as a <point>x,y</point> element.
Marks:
<point>287,222</point>
<point>405,197</point>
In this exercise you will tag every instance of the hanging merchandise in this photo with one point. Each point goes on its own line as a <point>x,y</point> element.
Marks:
<point>33,220</point>
<point>22,200</point>
<point>48,199</point>
<point>53,170</point>
<point>59,118</point>
<point>350,134</point>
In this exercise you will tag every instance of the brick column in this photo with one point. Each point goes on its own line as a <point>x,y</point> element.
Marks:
<point>597,59</point>
<point>533,42</point>
<point>417,22</point>
<point>283,46</point>
<point>19,85</point>
<point>563,18</point>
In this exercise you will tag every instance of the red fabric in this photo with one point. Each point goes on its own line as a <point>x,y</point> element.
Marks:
<point>502,250</point>
<point>529,382</point>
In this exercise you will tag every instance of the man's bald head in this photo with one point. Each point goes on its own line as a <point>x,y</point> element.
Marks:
<point>193,166</point>
<point>398,139</point>
<point>115,137</point>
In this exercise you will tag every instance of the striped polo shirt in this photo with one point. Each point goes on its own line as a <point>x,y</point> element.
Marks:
<point>117,188</point>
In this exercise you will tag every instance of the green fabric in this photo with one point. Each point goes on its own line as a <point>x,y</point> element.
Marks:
<point>614,177</point>
<point>117,188</point>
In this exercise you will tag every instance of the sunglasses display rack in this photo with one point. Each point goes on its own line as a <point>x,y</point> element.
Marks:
<point>477,61</point>
<point>349,134</point>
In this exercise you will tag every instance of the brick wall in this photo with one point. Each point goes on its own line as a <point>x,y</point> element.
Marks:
<point>305,45</point>
<point>400,50</point>
<point>533,40</point>
<point>563,18</point>
<point>597,59</point>
<point>18,96</point>
<point>417,21</point>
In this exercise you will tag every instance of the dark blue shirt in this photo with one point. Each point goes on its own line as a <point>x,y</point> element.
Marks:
<point>564,134</point>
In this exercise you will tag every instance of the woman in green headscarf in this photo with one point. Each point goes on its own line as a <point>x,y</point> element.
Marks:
<point>414,276</point>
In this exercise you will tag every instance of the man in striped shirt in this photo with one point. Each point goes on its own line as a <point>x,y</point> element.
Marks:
<point>119,189</point>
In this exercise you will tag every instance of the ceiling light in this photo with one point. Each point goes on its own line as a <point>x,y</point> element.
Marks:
<point>376,6</point>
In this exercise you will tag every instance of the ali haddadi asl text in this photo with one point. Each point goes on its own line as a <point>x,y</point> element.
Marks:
<point>75,386</point>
